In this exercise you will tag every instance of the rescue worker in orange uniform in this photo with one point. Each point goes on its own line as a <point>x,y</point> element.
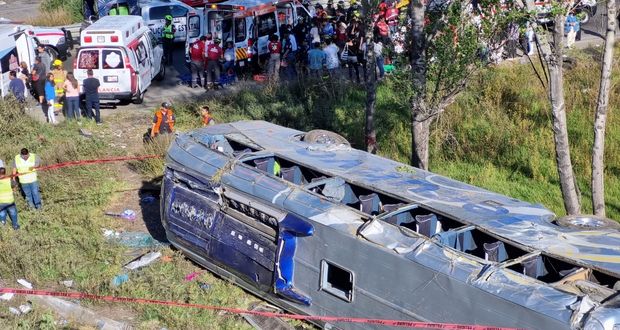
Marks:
<point>163,121</point>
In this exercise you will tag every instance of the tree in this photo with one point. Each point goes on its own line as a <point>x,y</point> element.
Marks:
<point>552,50</point>
<point>369,9</point>
<point>600,118</point>
<point>449,40</point>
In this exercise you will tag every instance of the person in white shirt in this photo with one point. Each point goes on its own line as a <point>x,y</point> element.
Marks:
<point>331,52</point>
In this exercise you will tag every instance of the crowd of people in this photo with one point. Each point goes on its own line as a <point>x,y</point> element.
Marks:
<point>55,89</point>
<point>332,38</point>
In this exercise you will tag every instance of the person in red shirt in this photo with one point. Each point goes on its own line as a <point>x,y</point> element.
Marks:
<point>197,60</point>
<point>214,55</point>
<point>275,48</point>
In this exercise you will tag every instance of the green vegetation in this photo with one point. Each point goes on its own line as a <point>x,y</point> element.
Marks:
<point>65,241</point>
<point>73,9</point>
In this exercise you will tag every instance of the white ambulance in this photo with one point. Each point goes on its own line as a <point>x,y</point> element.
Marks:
<point>16,46</point>
<point>246,22</point>
<point>123,54</point>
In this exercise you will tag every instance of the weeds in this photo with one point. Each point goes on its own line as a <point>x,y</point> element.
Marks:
<point>52,17</point>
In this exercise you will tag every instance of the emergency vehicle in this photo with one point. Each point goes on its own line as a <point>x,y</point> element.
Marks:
<point>123,54</point>
<point>56,41</point>
<point>186,20</point>
<point>16,46</point>
<point>246,22</point>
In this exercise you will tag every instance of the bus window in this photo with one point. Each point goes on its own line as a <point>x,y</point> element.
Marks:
<point>267,24</point>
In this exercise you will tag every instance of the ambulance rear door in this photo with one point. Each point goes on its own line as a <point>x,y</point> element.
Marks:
<point>115,77</point>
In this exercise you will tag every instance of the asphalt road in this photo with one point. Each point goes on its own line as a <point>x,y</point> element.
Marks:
<point>19,10</point>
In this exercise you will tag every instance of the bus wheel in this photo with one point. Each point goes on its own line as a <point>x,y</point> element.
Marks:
<point>591,222</point>
<point>321,136</point>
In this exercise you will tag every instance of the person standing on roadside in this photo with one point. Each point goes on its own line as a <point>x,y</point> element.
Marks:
<point>50,98</point>
<point>25,165</point>
<point>90,87</point>
<point>17,87</point>
<point>168,39</point>
<point>38,80</point>
<point>214,55</point>
<point>163,121</point>
<point>275,48</point>
<point>60,75</point>
<point>197,61</point>
<point>72,96</point>
<point>7,199</point>
<point>46,59</point>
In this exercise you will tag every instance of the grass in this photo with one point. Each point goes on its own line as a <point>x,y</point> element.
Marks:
<point>52,17</point>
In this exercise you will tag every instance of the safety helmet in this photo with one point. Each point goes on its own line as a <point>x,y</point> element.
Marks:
<point>352,2</point>
<point>168,17</point>
<point>57,62</point>
<point>166,105</point>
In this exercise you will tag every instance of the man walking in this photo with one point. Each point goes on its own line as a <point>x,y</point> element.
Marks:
<point>7,199</point>
<point>25,165</point>
<point>168,39</point>
<point>90,87</point>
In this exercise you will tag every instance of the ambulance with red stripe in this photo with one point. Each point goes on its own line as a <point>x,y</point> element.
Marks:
<point>123,54</point>
<point>248,23</point>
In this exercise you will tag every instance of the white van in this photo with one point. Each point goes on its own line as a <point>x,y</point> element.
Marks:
<point>124,55</point>
<point>187,21</point>
<point>16,46</point>
<point>245,22</point>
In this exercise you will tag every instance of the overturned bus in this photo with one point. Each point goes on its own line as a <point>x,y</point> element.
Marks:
<point>316,227</point>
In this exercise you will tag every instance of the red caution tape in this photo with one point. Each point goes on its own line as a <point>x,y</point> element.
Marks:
<point>87,162</point>
<point>392,323</point>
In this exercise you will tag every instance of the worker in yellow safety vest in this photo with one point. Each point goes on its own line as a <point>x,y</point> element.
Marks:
<point>7,199</point>
<point>24,166</point>
<point>168,39</point>
<point>60,75</point>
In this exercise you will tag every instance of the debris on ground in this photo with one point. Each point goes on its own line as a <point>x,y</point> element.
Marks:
<point>166,258</point>
<point>86,133</point>
<point>147,199</point>
<point>7,296</point>
<point>133,239</point>
<point>67,283</point>
<point>191,276</point>
<point>143,261</point>
<point>14,311</point>
<point>25,283</point>
<point>204,286</point>
<point>266,323</point>
<point>126,214</point>
<point>25,309</point>
<point>120,279</point>
<point>78,314</point>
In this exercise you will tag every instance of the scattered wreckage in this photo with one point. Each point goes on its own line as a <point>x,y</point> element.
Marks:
<point>316,227</point>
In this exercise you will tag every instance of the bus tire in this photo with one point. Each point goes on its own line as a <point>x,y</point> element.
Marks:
<point>321,136</point>
<point>587,222</point>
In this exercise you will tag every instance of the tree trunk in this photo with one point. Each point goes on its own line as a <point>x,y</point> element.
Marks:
<point>420,123</point>
<point>600,118</point>
<point>558,110</point>
<point>371,96</point>
<point>421,131</point>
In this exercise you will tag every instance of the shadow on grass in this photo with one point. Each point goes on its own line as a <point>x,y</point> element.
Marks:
<point>151,214</point>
